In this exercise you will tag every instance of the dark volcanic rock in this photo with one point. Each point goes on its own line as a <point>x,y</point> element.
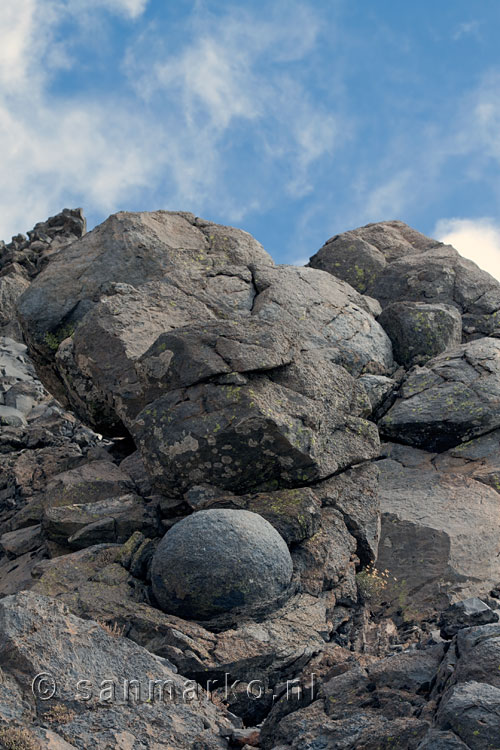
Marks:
<point>472,711</point>
<point>361,255</point>
<point>419,331</point>
<point>218,560</point>
<point>393,263</point>
<point>251,392</point>
<point>110,295</point>
<point>465,614</point>
<point>11,288</point>
<point>295,514</point>
<point>243,434</point>
<point>440,527</point>
<point>39,635</point>
<point>454,398</point>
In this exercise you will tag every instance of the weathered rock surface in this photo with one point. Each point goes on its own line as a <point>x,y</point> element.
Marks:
<point>37,437</point>
<point>295,514</point>
<point>238,389</point>
<point>372,706</point>
<point>109,692</point>
<point>440,528</point>
<point>393,263</point>
<point>420,331</point>
<point>163,271</point>
<point>28,255</point>
<point>11,288</point>
<point>465,614</point>
<point>215,561</point>
<point>94,583</point>
<point>112,520</point>
<point>454,398</point>
<point>257,433</point>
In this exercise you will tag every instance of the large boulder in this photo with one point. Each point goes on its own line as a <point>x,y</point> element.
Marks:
<point>11,288</point>
<point>257,431</point>
<point>454,398</point>
<point>419,331</point>
<point>370,706</point>
<point>218,560</point>
<point>67,683</point>
<point>393,263</point>
<point>465,614</point>
<point>472,711</point>
<point>440,530</point>
<point>104,300</point>
<point>360,255</point>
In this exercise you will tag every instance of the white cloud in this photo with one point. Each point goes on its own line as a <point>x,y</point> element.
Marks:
<point>178,124</point>
<point>467,28</point>
<point>476,239</point>
<point>229,86</point>
<point>55,151</point>
<point>388,199</point>
<point>130,8</point>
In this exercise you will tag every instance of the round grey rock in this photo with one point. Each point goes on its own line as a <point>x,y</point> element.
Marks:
<point>215,561</point>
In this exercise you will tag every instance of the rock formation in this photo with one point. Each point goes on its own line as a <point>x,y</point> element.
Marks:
<point>194,496</point>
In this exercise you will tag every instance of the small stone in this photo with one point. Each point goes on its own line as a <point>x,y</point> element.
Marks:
<point>465,614</point>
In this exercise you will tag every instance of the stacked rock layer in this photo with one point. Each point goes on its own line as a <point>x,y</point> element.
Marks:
<point>196,464</point>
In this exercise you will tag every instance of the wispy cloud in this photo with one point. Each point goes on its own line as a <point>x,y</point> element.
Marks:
<point>218,121</point>
<point>466,28</point>
<point>231,88</point>
<point>476,239</point>
<point>54,150</point>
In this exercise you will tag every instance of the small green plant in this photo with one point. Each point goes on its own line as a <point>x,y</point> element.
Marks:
<point>14,738</point>
<point>372,583</point>
<point>53,340</point>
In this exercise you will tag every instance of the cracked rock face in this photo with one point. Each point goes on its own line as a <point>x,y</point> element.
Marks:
<point>251,432</point>
<point>218,560</point>
<point>393,263</point>
<point>227,520</point>
<point>111,294</point>
<point>440,525</point>
<point>39,635</point>
<point>419,331</point>
<point>454,398</point>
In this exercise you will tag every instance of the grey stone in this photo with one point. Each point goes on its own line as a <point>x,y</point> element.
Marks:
<point>420,331</point>
<point>295,514</point>
<point>217,560</point>
<point>472,711</point>
<point>11,288</point>
<point>39,635</point>
<point>301,424</point>
<point>436,740</point>
<point>454,398</point>
<point>16,543</point>
<point>465,614</point>
<point>440,530</point>
<point>393,263</point>
<point>326,561</point>
<point>355,494</point>
<point>173,271</point>
<point>113,519</point>
<point>378,388</point>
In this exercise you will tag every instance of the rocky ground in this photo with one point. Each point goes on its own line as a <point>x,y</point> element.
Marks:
<point>242,504</point>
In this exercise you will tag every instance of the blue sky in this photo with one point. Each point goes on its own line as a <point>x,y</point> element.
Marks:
<point>293,120</point>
